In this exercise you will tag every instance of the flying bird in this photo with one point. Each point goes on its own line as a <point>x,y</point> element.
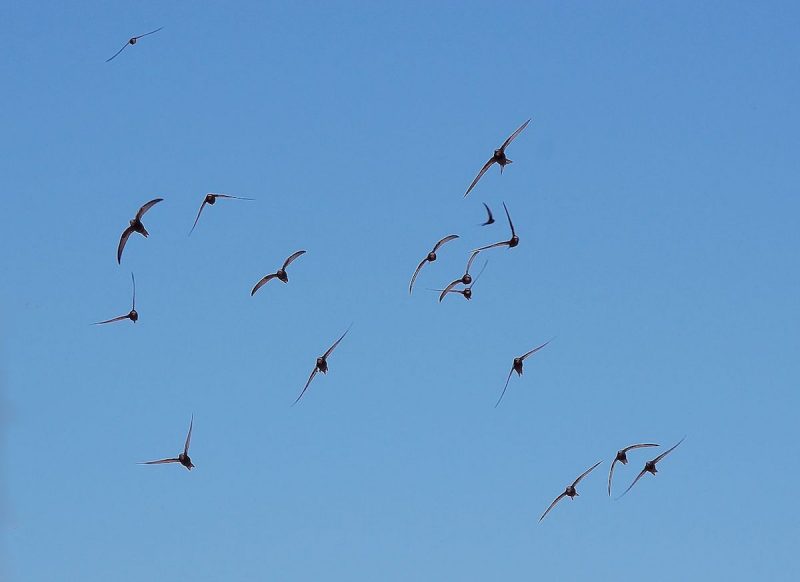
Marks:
<point>510,243</point>
<point>280,273</point>
<point>465,279</point>
<point>133,40</point>
<point>570,490</point>
<point>622,457</point>
<point>321,365</point>
<point>650,466</point>
<point>135,226</point>
<point>430,258</point>
<point>133,315</point>
<point>490,219</point>
<point>516,366</point>
<point>498,157</point>
<point>211,199</point>
<point>182,458</point>
<point>466,291</point>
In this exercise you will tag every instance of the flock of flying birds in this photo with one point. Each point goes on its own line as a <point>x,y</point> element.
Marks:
<point>466,281</point>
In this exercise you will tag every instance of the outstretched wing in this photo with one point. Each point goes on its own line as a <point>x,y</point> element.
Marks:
<point>490,218</point>
<point>487,247</point>
<point>123,240</point>
<point>514,135</point>
<point>511,224</point>
<point>639,446</point>
<point>291,258</point>
<point>586,472</point>
<point>188,437</point>
<point>333,347</point>
<point>505,387</point>
<point>448,238</point>
<point>311,377</point>
<point>159,462</point>
<point>229,196</point>
<point>147,207</point>
<point>471,258</point>
<point>534,350</point>
<point>120,318</point>
<point>133,280</point>
<point>199,212</point>
<point>478,276</point>
<point>639,476</point>
<point>485,167</point>
<point>552,505</point>
<point>416,272</point>
<point>148,33</point>
<point>610,473</point>
<point>119,51</point>
<point>668,451</point>
<point>449,288</point>
<point>262,282</point>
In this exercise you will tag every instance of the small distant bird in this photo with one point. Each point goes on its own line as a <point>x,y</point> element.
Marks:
<point>516,366</point>
<point>499,157</point>
<point>135,226</point>
<point>510,243</point>
<point>430,258</point>
<point>570,490</point>
<point>622,457</point>
<point>321,365</point>
<point>211,199</point>
<point>280,273</point>
<point>650,466</point>
<point>133,40</point>
<point>133,315</point>
<point>489,220</point>
<point>182,458</point>
<point>466,291</point>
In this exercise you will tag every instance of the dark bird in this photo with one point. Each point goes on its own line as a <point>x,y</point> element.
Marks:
<point>133,40</point>
<point>280,273</point>
<point>135,226</point>
<point>211,199</point>
<point>498,157</point>
<point>510,243</point>
<point>133,315</point>
<point>430,258</point>
<point>517,367</point>
<point>570,490</point>
<point>489,220</point>
<point>466,291</point>
<point>650,466</point>
<point>182,458</point>
<point>466,279</point>
<point>622,457</point>
<point>321,365</point>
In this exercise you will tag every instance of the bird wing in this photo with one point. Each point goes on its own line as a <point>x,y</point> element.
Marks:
<point>536,349</point>
<point>147,207</point>
<point>639,446</point>
<point>478,276</point>
<point>333,347</point>
<point>505,387</point>
<point>448,238</point>
<point>511,224</point>
<point>552,505</point>
<point>485,167</point>
<point>311,377</point>
<point>199,212</point>
<point>119,51</point>
<point>188,437</point>
<point>160,461</point>
<point>639,476</point>
<point>471,258</point>
<point>291,258</point>
<point>120,318</point>
<point>416,272</point>
<point>133,280</point>
<point>487,247</point>
<point>668,451</point>
<point>229,196</point>
<point>449,288</point>
<point>148,33</point>
<point>611,472</point>
<point>489,220</point>
<point>586,472</point>
<point>123,240</point>
<point>514,135</point>
<point>262,282</point>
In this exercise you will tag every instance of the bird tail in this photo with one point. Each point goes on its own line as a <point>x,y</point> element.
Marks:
<point>144,232</point>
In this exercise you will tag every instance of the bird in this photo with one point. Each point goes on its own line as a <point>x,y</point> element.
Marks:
<point>133,315</point>
<point>499,157</point>
<point>321,365</point>
<point>430,258</point>
<point>516,366</point>
<point>182,458</point>
<point>135,226</point>
<point>133,40</point>
<point>570,490</point>
<point>510,243</point>
<point>465,279</point>
<point>211,199</point>
<point>489,220</point>
<point>650,466</point>
<point>280,273</point>
<point>622,457</point>
<point>466,291</point>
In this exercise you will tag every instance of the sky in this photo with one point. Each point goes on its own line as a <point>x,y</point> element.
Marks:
<point>655,196</point>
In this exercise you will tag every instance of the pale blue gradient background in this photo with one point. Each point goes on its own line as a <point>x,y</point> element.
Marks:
<point>656,196</point>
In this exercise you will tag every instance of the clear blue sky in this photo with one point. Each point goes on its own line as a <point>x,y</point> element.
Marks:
<point>656,196</point>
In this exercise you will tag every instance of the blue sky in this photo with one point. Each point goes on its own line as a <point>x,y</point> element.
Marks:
<point>655,195</point>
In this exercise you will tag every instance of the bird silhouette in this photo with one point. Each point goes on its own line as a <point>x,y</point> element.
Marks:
<point>498,157</point>
<point>650,466</point>
<point>182,458</point>
<point>430,258</point>
<point>622,457</point>
<point>510,243</point>
<point>280,273</point>
<point>321,365</point>
<point>570,490</point>
<point>132,315</point>
<point>516,366</point>
<point>466,291</point>
<point>490,219</point>
<point>465,279</point>
<point>132,41</point>
<point>211,199</point>
<point>135,226</point>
